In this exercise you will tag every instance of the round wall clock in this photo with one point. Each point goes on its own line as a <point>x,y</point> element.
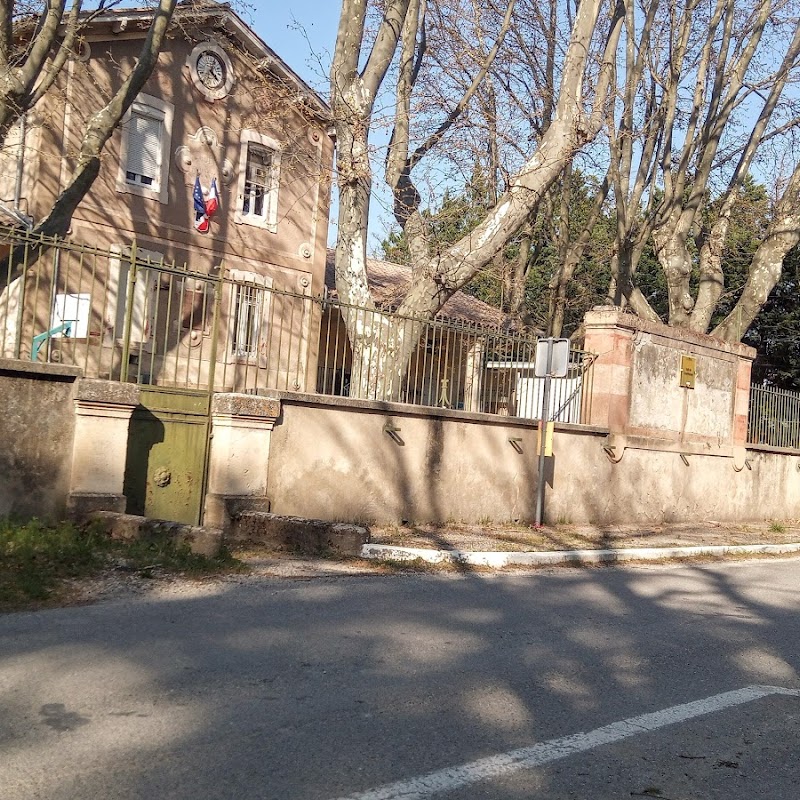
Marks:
<point>210,70</point>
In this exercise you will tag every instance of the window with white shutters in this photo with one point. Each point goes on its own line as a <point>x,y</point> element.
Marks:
<point>248,315</point>
<point>145,147</point>
<point>257,182</point>
<point>143,165</point>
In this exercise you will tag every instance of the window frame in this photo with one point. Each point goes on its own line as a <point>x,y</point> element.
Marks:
<point>143,313</point>
<point>240,280</point>
<point>153,107</point>
<point>269,219</point>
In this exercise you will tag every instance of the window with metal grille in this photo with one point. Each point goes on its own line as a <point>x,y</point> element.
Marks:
<point>143,164</point>
<point>258,195</point>
<point>248,318</point>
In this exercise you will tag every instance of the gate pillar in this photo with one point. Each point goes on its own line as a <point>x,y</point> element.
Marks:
<point>658,387</point>
<point>241,428</point>
<point>102,413</point>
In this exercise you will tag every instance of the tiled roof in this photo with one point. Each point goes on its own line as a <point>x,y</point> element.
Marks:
<point>389,283</point>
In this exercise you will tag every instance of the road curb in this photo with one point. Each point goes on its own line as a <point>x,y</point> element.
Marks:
<point>386,552</point>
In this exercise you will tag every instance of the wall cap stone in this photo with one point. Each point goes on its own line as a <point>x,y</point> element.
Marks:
<point>81,505</point>
<point>245,405</point>
<point>56,371</point>
<point>613,317</point>
<point>93,390</point>
<point>299,533</point>
<point>406,410</point>
<point>202,540</point>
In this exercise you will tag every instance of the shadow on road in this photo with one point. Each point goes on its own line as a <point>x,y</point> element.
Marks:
<point>318,689</point>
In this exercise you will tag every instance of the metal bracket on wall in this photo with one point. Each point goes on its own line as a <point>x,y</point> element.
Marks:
<point>514,441</point>
<point>393,431</point>
<point>685,459</point>
<point>614,450</point>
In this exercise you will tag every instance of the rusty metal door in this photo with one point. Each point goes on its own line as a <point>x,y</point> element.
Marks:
<point>167,454</point>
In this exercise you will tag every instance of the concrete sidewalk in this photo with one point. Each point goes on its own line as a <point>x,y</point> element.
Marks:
<point>508,545</point>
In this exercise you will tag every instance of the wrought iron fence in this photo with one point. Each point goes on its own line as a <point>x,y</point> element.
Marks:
<point>125,314</point>
<point>774,417</point>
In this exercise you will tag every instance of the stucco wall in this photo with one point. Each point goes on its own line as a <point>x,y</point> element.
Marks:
<point>637,389</point>
<point>36,431</point>
<point>334,460</point>
<point>651,486</point>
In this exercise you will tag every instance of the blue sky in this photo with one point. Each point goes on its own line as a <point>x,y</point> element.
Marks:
<point>303,34</point>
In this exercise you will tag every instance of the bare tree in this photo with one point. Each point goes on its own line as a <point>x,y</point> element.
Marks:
<point>382,347</point>
<point>783,233</point>
<point>31,59</point>
<point>33,51</point>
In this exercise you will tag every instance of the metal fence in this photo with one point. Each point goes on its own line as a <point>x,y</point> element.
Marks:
<point>125,314</point>
<point>774,417</point>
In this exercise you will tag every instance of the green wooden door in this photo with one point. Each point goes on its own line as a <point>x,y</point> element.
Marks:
<point>166,461</point>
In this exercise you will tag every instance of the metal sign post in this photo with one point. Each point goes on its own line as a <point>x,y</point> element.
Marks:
<point>552,357</point>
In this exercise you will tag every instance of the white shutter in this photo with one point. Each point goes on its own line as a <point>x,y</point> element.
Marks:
<point>144,146</point>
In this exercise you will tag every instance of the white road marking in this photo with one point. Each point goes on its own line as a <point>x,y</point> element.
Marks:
<point>446,780</point>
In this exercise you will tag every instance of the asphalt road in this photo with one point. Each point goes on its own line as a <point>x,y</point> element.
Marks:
<point>589,684</point>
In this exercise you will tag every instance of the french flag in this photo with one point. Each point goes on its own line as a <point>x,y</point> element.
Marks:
<point>201,221</point>
<point>212,201</point>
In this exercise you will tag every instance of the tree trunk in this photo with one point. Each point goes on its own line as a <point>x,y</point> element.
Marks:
<point>712,276</point>
<point>673,256</point>
<point>382,349</point>
<point>782,235</point>
<point>438,278</point>
<point>558,298</point>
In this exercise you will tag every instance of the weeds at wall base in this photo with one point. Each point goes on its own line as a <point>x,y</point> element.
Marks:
<point>38,560</point>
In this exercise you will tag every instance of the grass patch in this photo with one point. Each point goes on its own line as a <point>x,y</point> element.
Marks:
<point>776,527</point>
<point>38,560</point>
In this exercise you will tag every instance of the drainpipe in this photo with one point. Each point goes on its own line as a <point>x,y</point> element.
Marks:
<point>20,161</point>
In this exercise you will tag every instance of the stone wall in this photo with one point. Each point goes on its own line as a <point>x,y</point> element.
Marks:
<point>657,451</point>
<point>346,460</point>
<point>335,458</point>
<point>637,390</point>
<point>37,425</point>
<point>64,441</point>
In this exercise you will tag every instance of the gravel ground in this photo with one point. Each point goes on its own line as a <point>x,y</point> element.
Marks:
<point>262,564</point>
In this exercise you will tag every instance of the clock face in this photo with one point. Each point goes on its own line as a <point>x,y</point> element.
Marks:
<point>210,70</point>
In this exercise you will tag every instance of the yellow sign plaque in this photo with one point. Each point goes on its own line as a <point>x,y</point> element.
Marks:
<point>688,371</point>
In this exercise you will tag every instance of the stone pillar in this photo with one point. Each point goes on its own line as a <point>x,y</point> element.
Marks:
<point>610,376</point>
<point>103,411</point>
<point>638,392</point>
<point>241,428</point>
<point>741,405</point>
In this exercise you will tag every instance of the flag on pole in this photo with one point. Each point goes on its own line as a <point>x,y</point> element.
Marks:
<point>201,222</point>
<point>212,201</point>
